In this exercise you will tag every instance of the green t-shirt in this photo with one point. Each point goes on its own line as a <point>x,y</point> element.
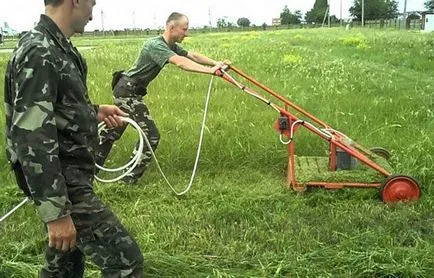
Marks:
<point>152,58</point>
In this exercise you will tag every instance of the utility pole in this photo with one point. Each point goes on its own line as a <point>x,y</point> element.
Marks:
<point>102,20</point>
<point>155,22</point>
<point>326,15</point>
<point>341,12</point>
<point>134,20</point>
<point>405,14</point>
<point>363,13</point>
<point>209,17</point>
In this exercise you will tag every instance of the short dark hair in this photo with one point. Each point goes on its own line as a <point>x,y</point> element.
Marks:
<point>53,2</point>
<point>175,17</point>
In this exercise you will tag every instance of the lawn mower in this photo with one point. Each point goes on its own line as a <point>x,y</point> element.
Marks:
<point>348,164</point>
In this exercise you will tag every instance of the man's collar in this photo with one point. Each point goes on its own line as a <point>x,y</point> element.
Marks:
<point>52,28</point>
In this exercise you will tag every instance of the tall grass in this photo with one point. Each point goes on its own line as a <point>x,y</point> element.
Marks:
<point>239,220</point>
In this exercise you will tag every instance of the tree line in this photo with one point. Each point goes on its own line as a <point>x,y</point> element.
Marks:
<point>373,10</point>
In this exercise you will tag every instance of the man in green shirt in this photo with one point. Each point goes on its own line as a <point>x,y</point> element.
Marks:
<point>132,86</point>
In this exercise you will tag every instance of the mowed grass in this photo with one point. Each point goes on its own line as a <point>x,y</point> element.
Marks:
<point>239,219</point>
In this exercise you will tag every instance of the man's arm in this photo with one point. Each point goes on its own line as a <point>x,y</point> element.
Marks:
<point>190,65</point>
<point>161,54</point>
<point>34,132</point>
<point>34,137</point>
<point>202,59</point>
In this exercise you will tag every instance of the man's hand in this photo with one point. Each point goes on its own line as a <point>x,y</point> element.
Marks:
<point>110,115</point>
<point>218,69</point>
<point>61,233</point>
<point>219,66</point>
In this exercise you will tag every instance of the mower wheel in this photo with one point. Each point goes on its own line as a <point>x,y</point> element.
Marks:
<point>398,188</point>
<point>382,152</point>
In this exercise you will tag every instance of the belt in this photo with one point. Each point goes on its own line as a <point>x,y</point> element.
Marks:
<point>127,86</point>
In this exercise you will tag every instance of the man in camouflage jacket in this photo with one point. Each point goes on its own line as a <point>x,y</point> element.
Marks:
<point>51,130</point>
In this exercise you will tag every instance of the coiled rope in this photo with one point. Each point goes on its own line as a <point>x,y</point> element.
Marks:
<point>136,159</point>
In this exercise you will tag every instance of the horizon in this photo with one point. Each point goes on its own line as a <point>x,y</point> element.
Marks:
<point>107,16</point>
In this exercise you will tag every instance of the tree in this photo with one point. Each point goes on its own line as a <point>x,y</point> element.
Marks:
<point>375,9</point>
<point>316,14</point>
<point>287,17</point>
<point>243,22</point>
<point>223,22</point>
<point>391,10</point>
<point>298,15</point>
<point>334,19</point>
<point>429,5</point>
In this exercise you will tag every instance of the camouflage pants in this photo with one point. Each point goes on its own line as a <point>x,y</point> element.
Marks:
<point>138,112</point>
<point>101,237</point>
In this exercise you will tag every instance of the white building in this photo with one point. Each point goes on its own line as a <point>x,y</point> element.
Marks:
<point>427,21</point>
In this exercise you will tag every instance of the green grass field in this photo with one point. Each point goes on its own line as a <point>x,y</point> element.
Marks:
<point>239,219</point>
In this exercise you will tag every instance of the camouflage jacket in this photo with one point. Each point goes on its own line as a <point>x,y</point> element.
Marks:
<point>51,125</point>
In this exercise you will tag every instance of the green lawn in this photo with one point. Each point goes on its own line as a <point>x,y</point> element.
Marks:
<point>239,219</point>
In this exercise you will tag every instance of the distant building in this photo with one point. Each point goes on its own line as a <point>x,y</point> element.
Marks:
<point>427,21</point>
<point>275,21</point>
<point>409,14</point>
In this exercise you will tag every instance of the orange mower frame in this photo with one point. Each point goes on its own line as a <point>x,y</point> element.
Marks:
<point>393,188</point>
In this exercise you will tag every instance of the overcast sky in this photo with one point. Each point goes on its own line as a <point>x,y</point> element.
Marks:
<point>151,14</point>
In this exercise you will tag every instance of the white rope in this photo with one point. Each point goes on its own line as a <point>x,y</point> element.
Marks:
<point>291,136</point>
<point>23,202</point>
<point>133,162</point>
<point>325,131</point>
<point>136,159</point>
<point>142,138</point>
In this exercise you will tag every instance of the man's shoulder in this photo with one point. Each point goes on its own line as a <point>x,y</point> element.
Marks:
<point>155,41</point>
<point>36,43</point>
<point>34,37</point>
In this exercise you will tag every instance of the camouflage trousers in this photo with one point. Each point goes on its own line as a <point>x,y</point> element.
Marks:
<point>101,237</point>
<point>138,112</point>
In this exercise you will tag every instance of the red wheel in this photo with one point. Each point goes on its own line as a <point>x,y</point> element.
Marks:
<point>399,188</point>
